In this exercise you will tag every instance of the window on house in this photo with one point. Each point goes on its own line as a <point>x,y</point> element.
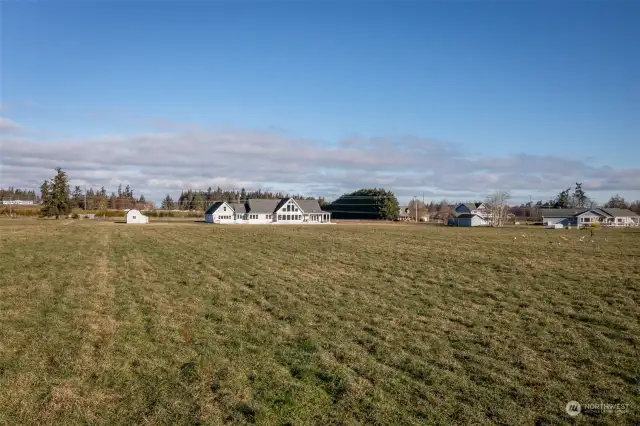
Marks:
<point>134,217</point>
<point>224,208</point>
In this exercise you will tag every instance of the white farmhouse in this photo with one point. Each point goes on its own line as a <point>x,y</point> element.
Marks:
<point>587,217</point>
<point>134,216</point>
<point>258,211</point>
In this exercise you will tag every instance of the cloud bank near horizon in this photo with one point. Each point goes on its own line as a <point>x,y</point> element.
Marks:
<point>159,163</point>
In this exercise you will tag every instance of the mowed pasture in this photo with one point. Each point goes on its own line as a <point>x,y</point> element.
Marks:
<point>106,323</point>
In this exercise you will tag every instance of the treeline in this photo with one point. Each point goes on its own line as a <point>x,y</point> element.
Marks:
<point>201,200</point>
<point>99,199</point>
<point>12,193</point>
<point>572,197</point>
<point>94,199</point>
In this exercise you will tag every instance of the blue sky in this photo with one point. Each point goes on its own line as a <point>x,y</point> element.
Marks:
<point>556,81</point>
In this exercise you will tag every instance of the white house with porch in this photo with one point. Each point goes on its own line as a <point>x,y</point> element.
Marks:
<point>587,217</point>
<point>275,211</point>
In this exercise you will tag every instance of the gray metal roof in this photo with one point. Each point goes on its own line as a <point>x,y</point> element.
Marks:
<point>309,206</point>
<point>576,212</point>
<point>238,207</point>
<point>561,212</point>
<point>619,212</point>
<point>599,212</point>
<point>257,205</point>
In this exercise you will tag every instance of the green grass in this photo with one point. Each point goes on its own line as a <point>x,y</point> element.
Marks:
<point>191,323</point>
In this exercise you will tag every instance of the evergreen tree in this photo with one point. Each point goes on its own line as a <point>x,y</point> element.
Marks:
<point>55,196</point>
<point>366,204</point>
<point>562,201</point>
<point>77,197</point>
<point>579,197</point>
<point>113,201</point>
<point>167,203</point>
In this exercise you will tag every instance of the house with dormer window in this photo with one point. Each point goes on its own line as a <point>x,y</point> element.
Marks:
<point>471,214</point>
<point>259,211</point>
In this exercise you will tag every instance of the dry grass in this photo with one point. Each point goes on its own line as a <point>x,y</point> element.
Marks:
<point>185,324</point>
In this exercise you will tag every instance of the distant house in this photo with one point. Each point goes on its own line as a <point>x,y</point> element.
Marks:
<point>274,211</point>
<point>403,213</point>
<point>587,217</point>
<point>134,216</point>
<point>471,214</point>
<point>16,202</point>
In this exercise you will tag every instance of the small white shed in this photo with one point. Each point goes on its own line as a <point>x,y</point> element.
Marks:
<point>134,216</point>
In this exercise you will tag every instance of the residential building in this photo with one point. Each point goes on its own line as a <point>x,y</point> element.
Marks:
<point>471,214</point>
<point>587,217</point>
<point>403,213</point>
<point>17,202</point>
<point>258,211</point>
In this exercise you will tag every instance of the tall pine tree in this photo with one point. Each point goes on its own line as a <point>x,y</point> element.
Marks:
<point>55,196</point>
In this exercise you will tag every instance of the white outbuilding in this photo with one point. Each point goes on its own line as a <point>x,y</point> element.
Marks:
<point>134,216</point>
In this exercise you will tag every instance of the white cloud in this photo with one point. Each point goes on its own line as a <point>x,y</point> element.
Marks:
<point>7,125</point>
<point>160,163</point>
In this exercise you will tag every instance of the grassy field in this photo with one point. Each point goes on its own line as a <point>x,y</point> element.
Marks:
<point>190,323</point>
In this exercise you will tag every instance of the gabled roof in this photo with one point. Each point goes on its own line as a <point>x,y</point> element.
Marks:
<point>470,206</point>
<point>281,203</point>
<point>561,212</point>
<point>594,211</point>
<point>309,206</point>
<point>619,212</point>
<point>261,206</point>
<point>215,206</point>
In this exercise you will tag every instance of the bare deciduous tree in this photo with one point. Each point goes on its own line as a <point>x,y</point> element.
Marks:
<point>421,208</point>
<point>497,206</point>
<point>445,211</point>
